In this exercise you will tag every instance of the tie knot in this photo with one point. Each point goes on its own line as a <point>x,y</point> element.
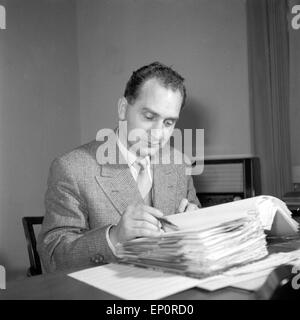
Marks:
<point>141,163</point>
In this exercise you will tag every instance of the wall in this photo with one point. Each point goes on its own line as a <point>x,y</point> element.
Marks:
<point>295,96</point>
<point>39,112</point>
<point>204,40</point>
<point>46,101</point>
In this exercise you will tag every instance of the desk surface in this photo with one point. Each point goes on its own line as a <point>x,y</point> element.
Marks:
<point>60,286</point>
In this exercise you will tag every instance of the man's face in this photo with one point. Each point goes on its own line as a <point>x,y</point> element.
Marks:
<point>155,112</point>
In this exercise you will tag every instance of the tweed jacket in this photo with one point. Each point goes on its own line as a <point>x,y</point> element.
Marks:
<point>85,196</point>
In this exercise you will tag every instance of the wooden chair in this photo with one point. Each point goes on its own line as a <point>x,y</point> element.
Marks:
<point>34,259</point>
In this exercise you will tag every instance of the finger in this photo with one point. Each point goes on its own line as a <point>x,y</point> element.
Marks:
<point>142,224</point>
<point>191,207</point>
<point>140,232</point>
<point>145,216</point>
<point>153,211</point>
<point>183,204</point>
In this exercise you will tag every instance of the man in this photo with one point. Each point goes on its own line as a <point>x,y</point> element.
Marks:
<point>95,201</point>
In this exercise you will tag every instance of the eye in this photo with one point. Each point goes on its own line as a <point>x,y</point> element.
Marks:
<point>149,116</point>
<point>169,123</point>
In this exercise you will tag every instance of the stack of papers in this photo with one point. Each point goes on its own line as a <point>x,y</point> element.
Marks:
<point>214,239</point>
<point>199,252</point>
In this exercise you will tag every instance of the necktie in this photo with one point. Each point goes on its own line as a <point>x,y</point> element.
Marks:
<point>143,180</point>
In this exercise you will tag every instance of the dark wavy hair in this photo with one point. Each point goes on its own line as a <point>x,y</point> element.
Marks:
<point>168,77</point>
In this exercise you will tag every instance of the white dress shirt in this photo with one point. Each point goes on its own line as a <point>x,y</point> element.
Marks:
<point>131,158</point>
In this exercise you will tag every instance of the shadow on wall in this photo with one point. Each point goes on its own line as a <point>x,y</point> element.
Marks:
<point>195,116</point>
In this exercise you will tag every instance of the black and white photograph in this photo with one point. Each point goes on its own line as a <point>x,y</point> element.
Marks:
<point>149,151</point>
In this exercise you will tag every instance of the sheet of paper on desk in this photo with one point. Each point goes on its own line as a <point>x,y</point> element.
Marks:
<point>134,283</point>
<point>249,282</point>
<point>252,275</point>
<point>252,285</point>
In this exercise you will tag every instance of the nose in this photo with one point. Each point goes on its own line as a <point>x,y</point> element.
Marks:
<point>157,131</point>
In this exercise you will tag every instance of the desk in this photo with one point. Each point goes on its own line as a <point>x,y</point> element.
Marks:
<point>60,286</point>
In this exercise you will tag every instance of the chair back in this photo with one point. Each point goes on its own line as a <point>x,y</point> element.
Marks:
<point>34,259</point>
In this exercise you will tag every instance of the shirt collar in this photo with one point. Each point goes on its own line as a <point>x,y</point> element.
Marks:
<point>129,156</point>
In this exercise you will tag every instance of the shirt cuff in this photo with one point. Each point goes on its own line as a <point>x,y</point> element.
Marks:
<point>111,246</point>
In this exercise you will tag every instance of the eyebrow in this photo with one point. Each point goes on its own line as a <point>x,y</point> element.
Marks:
<point>156,114</point>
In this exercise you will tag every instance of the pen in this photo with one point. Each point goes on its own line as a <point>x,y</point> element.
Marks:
<point>166,222</point>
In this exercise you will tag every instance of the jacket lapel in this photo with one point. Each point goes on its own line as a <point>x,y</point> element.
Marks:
<point>164,182</point>
<point>115,178</point>
<point>119,186</point>
<point>165,185</point>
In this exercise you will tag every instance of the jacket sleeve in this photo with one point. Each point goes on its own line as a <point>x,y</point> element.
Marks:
<point>66,240</point>
<point>191,192</point>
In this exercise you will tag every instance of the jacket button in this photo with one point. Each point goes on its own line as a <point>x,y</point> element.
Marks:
<point>98,258</point>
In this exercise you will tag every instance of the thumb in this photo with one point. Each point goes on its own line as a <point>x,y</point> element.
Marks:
<point>183,204</point>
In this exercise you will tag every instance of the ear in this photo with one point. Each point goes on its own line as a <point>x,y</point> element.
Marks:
<point>122,108</point>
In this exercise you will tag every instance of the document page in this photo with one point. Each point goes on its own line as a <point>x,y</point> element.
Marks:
<point>272,212</point>
<point>249,282</point>
<point>252,275</point>
<point>134,283</point>
<point>210,217</point>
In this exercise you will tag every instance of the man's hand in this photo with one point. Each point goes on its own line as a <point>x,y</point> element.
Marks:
<point>185,205</point>
<point>137,221</point>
